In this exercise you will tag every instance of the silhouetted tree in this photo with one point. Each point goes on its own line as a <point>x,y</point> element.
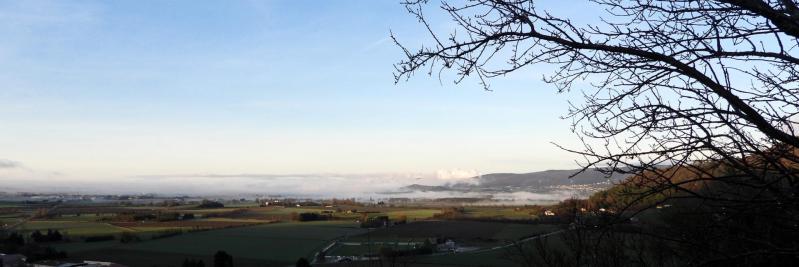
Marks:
<point>56,236</point>
<point>11,242</point>
<point>209,204</point>
<point>193,263</point>
<point>222,259</point>
<point>16,239</point>
<point>37,236</point>
<point>128,237</point>
<point>698,100</point>
<point>302,262</point>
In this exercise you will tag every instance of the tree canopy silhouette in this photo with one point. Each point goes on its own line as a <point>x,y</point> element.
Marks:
<point>697,99</point>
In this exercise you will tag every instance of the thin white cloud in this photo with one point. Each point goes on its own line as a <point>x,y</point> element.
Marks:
<point>376,44</point>
<point>456,174</point>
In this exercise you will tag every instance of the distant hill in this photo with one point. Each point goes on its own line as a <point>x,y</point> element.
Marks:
<point>534,181</point>
<point>546,178</point>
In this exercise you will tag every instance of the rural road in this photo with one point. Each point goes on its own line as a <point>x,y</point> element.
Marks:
<point>520,241</point>
<point>502,246</point>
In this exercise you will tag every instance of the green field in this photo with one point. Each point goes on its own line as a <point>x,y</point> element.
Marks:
<point>270,244</point>
<point>474,235</point>
<point>503,255</point>
<point>276,244</point>
<point>71,228</point>
<point>413,214</point>
<point>281,213</point>
<point>360,250</point>
<point>507,213</point>
<point>465,231</point>
<point>508,255</point>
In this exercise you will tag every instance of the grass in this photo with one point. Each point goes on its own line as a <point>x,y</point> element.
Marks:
<point>466,233</point>
<point>462,231</point>
<point>73,247</point>
<point>81,218</point>
<point>157,229</point>
<point>519,231</point>
<point>74,228</point>
<point>11,215</point>
<point>507,213</point>
<point>393,213</point>
<point>5,204</point>
<point>483,258</point>
<point>360,250</point>
<point>71,228</point>
<point>414,214</point>
<point>506,256</point>
<point>154,258</point>
<point>281,243</point>
<point>284,211</point>
<point>204,211</point>
<point>242,205</point>
<point>233,220</point>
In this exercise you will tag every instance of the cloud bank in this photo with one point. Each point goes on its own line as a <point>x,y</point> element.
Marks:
<point>8,164</point>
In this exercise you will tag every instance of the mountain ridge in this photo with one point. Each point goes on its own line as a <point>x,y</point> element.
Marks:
<point>532,181</point>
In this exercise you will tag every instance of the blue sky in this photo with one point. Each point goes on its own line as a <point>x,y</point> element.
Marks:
<point>104,90</point>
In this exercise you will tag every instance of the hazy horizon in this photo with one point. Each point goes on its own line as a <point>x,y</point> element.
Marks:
<point>131,97</point>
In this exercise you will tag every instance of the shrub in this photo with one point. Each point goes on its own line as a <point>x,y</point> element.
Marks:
<point>128,237</point>
<point>166,234</point>
<point>310,216</point>
<point>375,222</point>
<point>302,262</point>
<point>99,238</point>
<point>208,204</point>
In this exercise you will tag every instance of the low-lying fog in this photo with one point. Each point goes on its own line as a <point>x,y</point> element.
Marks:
<point>361,186</point>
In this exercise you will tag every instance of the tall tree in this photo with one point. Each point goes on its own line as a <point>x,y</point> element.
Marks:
<point>302,262</point>
<point>708,87</point>
<point>223,259</point>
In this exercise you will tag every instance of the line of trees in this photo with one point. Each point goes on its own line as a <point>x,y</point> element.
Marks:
<point>209,204</point>
<point>310,216</point>
<point>50,236</point>
<point>221,259</point>
<point>13,242</point>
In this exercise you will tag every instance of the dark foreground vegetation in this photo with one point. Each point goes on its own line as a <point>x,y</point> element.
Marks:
<point>698,101</point>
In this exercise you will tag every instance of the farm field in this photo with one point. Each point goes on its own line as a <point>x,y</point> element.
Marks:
<point>71,228</point>
<point>197,223</point>
<point>468,235</point>
<point>458,230</point>
<point>507,255</point>
<point>499,255</point>
<point>413,214</point>
<point>502,212</point>
<point>268,236</point>
<point>279,243</point>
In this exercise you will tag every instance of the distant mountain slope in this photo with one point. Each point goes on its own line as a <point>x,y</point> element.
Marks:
<point>545,178</point>
<point>533,181</point>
